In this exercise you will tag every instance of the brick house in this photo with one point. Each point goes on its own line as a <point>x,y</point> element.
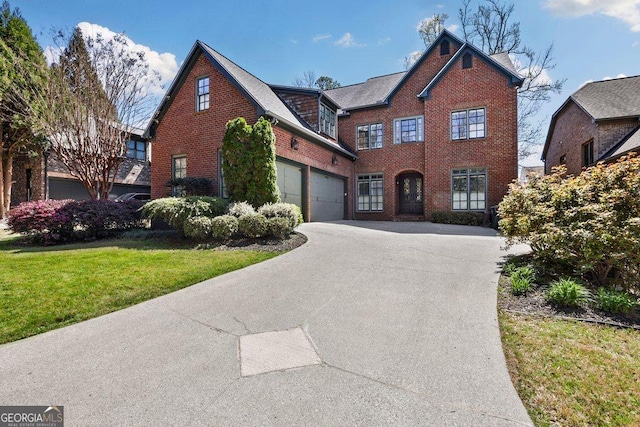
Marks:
<point>441,136</point>
<point>599,122</point>
<point>45,177</point>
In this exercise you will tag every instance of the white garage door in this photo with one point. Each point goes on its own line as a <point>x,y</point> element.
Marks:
<point>290,183</point>
<point>327,197</point>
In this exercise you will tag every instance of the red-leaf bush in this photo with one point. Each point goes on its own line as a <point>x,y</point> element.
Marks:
<point>59,221</point>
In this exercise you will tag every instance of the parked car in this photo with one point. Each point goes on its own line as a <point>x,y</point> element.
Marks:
<point>143,197</point>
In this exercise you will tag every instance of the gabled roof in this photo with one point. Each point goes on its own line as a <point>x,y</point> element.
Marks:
<point>252,88</point>
<point>630,142</point>
<point>610,99</point>
<point>509,71</point>
<point>602,100</point>
<point>380,90</point>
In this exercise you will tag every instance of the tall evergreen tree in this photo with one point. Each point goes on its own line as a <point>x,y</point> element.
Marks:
<point>22,73</point>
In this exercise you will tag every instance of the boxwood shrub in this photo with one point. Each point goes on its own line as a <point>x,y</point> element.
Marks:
<point>224,226</point>
<point>458,218</point>
<point>283,210</point>
<point>175,211</point>
<point>253,225</point>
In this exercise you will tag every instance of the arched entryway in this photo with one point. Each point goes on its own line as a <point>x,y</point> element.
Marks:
<point>410,191</point>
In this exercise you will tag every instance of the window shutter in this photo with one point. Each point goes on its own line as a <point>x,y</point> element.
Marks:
<point>420,126</point>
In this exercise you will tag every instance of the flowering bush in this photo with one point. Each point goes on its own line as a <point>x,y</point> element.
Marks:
<point>253,225</point>
<point>198,227</point>
<point>283,210</point>
<point>224,226</point>
<point>279,227</point>
<point>175,211</point>
<point>238,209</point>
<point>40,219</point>
<point>591,221</point>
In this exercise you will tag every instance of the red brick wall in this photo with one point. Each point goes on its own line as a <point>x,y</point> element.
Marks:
<point>459,89</point>
<point>573,127</point>
<point>610,133</point>
<point>480,86</point>
<point>198,135</point>
<point>306,106</point>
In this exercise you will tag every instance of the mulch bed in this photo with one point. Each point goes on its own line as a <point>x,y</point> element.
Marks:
<point>534,303</point>
<point>263,244</point>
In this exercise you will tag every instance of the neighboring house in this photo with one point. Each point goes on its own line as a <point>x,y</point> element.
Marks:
<point>599,122</point>
<point>32,176</point>
<point>441,136</point>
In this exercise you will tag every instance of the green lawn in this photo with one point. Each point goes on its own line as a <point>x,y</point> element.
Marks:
<point>47,288</point>
<point>572,373</point>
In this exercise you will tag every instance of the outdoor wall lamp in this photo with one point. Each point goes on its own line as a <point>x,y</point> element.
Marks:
<point>294,143</point>
<point>334,160</point>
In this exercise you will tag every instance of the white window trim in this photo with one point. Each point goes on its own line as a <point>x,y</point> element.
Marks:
<point>466,111</point>
<point>397,123</point>
<point>334,114</point>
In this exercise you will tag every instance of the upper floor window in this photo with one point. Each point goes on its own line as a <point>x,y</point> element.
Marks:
<point>468,124</point>
<point>467,60</point>
<point>408,129</point>
<point>327,121</point>
<point>587,154</point>
<point>202,94</point>
<point>445,47</point>
<point>137,150</point>
<point>369,136</point>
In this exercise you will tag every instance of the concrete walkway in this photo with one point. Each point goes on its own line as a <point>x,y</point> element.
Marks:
<point>392,323</point>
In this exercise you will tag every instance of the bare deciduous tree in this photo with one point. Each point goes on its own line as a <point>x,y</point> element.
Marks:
<point>490,28</point>
<point>430,28</point>
<point>308,79</point>
<point>94,98</point>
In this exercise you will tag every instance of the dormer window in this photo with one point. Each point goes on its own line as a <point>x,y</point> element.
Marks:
<point>327,121</point>
<point>444,48</point>
<point>467,60</point>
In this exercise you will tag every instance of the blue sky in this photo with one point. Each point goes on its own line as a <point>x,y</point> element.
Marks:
<point>348,40</point>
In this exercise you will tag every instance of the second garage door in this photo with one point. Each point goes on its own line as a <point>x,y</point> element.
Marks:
<point>327,197</point>
<point>290,183</point>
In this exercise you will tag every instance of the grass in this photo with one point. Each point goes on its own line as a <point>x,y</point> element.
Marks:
<point>47,288</point>
<point>572,373</point>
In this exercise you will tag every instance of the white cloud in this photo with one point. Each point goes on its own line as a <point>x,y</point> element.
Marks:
<point>625,10</point>
<point>384,41</point>
<point>319,37</point>
<point>453,28</point>
<point>411,59</point>
<point>347,40</point>
<point>635,43</point>
<point>619,76</point>
<point>162,66</point>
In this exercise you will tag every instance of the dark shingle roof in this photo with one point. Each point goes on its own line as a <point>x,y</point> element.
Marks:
<point>372,92</point>
<point>610,99</point>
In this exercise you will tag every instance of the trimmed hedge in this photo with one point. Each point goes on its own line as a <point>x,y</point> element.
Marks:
<point>458,218</point>
<point>175,211</point>
<point>279,227</point>
<point>224,226</point>
<point>253,225</point>
<point>291,212</point>
<point>198,227</point>
<point>193,186</point>
<point>238,209</point>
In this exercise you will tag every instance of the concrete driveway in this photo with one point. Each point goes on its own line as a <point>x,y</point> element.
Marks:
<point>370,323</point>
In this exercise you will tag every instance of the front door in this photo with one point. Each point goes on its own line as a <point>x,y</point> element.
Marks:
<point>410,190</point>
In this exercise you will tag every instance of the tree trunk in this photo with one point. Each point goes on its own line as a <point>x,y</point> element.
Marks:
<point>3,210</point>
<point>8,183</point>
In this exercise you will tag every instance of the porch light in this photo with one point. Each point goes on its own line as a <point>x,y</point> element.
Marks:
<point>294,143</point>
<point>334,160</point>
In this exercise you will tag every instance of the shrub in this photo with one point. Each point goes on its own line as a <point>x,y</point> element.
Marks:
<point>175,211</point>
<point>615,301</point>
<point>193,186</point>
<point>567,293</point>
<point>590,222</point>
<point>198,227</point>
<point>238,209</point>
<point>38,217</point>
<point>253,225</point>
<point>224,226</point>
<point>249,162</point>
<point>279,227</point>
<point>283,210</point>
<point>458,218</point>
<point>57,221</point>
